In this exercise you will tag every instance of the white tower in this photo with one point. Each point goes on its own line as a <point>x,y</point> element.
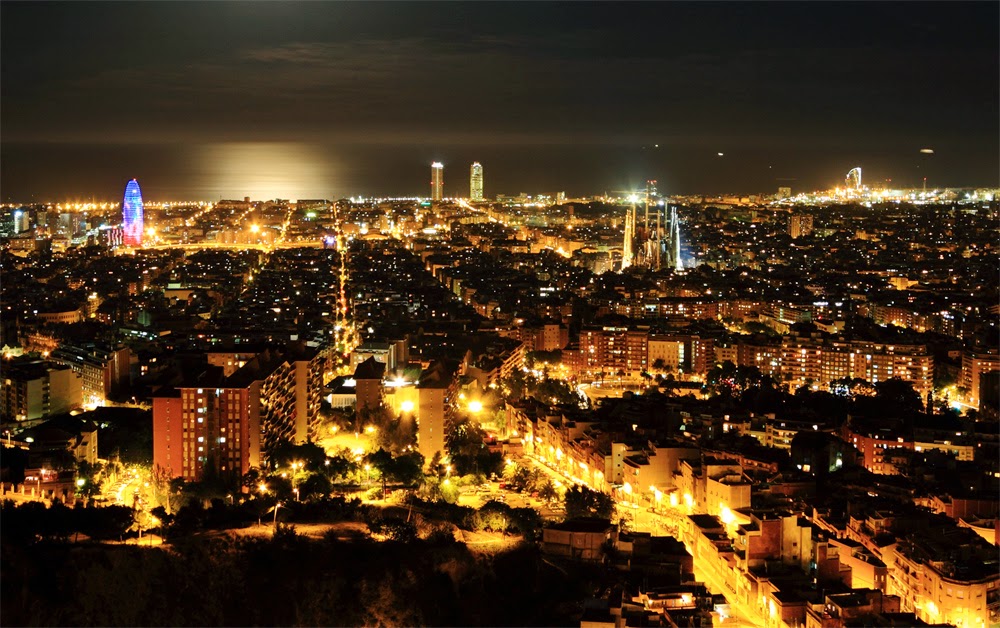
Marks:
<point>437,181</point>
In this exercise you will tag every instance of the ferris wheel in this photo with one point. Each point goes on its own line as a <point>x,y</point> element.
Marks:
<point>853,179</point>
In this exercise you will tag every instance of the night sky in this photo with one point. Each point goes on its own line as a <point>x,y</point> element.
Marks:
<point>335,99</point>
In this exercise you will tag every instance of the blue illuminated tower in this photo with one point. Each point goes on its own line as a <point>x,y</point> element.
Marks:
<point>132,214</point>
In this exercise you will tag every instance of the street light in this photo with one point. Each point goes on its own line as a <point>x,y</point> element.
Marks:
<point>276,507</point>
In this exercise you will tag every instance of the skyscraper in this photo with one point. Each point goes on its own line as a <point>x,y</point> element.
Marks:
<point>476,182</point>
<point>132,214</point>
<point>437,181</point>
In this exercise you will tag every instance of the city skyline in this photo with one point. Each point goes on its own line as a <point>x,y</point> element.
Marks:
<point>588,100</point>
<point>716,344</point>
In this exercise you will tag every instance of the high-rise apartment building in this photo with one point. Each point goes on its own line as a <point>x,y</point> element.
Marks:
<point>132,214</point>
<point>22,221</point>
<point>976,364</point>
<point>476,182</point>
<point>437,181</point>
<point>435,391</point>
<point>218,424</point>
<point>800,225</point>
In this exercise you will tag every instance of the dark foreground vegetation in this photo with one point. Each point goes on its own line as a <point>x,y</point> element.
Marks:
<point>282,581</point>
<point>65,566</point>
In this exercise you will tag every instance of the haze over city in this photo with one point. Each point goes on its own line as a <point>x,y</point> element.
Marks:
<point>311,100</point>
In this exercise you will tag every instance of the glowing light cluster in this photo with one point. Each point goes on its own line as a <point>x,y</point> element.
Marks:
<point>132,214</point>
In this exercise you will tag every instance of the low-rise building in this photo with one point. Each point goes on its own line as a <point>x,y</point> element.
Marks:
<point>946,574</point>
<point>579,539</point>
<point>33,389</point>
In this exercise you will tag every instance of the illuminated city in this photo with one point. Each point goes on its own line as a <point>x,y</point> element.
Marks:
<point>745,373</point>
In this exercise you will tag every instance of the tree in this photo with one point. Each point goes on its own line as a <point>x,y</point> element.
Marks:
<point>582,502</point>
<point>107,522</point>
<point>314,486</point>
<point>466,444</point>
<point>435,489</point>
<point>395,435</point>
<point>408,469</point>
<point>339,467</point>
<point>646,377</point>
<point>90,474</point>
<point>163,492</point>
<point>311,455</point>
<point>547,491</point>
<point>436,465</point>
<point>899,394</point>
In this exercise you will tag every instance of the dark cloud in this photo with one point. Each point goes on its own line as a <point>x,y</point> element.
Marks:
<point>789,79</point>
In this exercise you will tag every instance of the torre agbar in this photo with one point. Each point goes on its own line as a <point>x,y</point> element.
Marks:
<point>132,214</point>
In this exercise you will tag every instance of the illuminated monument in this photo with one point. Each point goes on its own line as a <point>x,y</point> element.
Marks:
<point>132,214</point>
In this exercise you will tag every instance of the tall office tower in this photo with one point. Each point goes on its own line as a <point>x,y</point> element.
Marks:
<point>132,214</point>
<point>437,181</point>
<point>476,182</point>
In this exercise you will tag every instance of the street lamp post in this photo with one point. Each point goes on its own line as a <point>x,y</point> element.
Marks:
<point>276,507</point>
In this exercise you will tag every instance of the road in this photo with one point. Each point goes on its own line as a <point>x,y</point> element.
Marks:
<point>665,523</point>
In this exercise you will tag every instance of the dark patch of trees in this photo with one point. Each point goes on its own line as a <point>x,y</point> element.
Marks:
<point>285,580</point>
<point>583,502</point>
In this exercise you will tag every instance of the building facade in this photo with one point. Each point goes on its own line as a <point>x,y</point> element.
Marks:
<point>476,182</point>
<point>32,389</point>
<point>437,181</point>
<point>132,214</point>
